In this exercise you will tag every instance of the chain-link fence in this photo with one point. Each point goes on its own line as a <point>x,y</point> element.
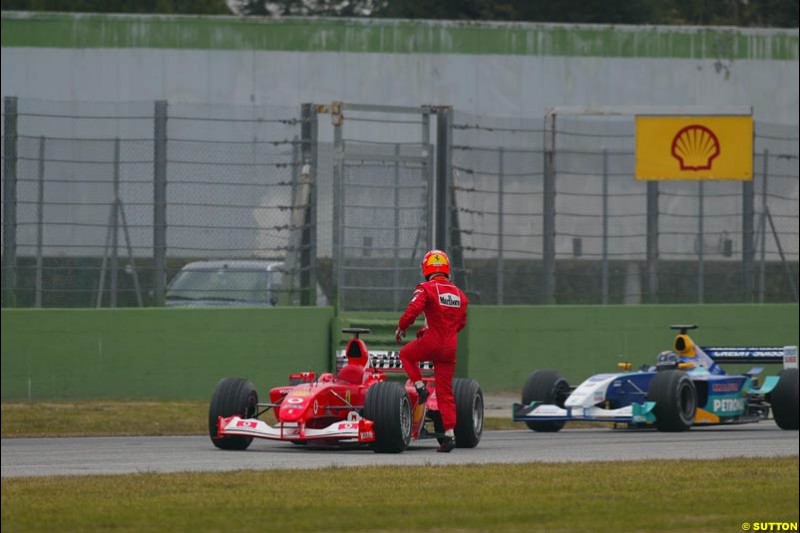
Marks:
<point>548,211</point>
<point>105,204</point>
<point>383,178</point>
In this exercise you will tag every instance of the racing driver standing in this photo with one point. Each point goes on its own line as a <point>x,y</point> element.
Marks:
<point>445,310</point>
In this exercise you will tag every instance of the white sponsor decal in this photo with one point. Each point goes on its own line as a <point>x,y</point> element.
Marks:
<point>449,299</point>
<point>790,357</point>
<point>295,400</point>
<point>728,405</point>
<point>547,410</point>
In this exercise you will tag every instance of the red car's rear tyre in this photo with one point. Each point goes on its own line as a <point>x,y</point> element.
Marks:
<point>469,412</point>
<point>232,396</point>
<point>388,406</point>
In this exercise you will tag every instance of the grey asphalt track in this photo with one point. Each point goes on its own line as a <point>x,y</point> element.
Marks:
<point>123,455</point>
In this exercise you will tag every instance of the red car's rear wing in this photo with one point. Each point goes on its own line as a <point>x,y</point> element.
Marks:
<point>385,361</point>
<point>786,355</point>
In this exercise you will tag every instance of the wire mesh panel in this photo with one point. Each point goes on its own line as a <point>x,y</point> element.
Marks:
<point>776,205</point>
<point>233,188</point>
<point>84,186</point>
<point>382,213</point>
<point>497,191</point>
<point>237,185</point>
<point>600,212</point>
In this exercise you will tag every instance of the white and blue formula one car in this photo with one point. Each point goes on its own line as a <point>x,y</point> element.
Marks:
<point>686,387</point>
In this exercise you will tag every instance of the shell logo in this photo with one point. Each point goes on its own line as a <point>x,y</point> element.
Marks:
<point>695,147</point>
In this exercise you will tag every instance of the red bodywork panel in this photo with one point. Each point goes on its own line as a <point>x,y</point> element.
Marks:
<point>324,409</point>
<point>327,407</point>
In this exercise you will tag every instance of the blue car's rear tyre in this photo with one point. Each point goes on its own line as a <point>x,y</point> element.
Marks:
<point>546,386</point>
<point>676,400</point>
<point>388,406</point>
<point>469,412</point>
<point>232,396</point>
<point>784,399</point>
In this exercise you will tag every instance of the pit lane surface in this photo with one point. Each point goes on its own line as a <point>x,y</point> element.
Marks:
<point>123,455</point>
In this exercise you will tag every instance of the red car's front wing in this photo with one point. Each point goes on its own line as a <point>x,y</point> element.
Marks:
<point>359,430</point>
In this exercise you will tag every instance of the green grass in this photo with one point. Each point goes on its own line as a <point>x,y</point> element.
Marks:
<point>671,495</point>
<point>101,418</point>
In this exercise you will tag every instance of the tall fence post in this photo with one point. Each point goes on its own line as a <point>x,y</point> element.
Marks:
<point>652,241</point>
<point>428,176</point>
<point>308,257</point>
<point>549,211</point>
<point>500,229</point>
<point>40,224</point>
<point>748,235</point>
<point>604,280</point>
<point>10,202</point>
<point>396,233</point>
<point>160,203</point>
<point>762,266</point>
<point>338,210</point>
<point>114,229</point>
<point>447,234</point>
<point>700,242</point>
<point>441,214</point>
<point>292,264</point>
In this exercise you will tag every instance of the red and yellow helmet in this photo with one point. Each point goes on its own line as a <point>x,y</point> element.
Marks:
<point>435,262</point>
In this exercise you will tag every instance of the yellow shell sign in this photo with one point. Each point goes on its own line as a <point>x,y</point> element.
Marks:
<point>694,148</point>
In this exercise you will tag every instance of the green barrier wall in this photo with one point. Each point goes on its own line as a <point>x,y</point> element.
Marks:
<point>156,353</point>
<point>505,344</point>
<point>182,353</point>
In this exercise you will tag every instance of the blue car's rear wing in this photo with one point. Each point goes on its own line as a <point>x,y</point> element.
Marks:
<point>786,355</point>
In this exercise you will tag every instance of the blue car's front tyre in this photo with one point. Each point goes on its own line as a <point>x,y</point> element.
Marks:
<point>547,387</point>
<point>676,400</point>
<point>784,399</point>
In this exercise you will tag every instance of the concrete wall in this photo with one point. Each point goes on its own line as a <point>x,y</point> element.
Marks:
<point>486,68</point>
<point>233,67</point>
<point>182,353</point>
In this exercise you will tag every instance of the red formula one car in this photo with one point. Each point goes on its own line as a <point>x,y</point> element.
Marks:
<point>357,405</point>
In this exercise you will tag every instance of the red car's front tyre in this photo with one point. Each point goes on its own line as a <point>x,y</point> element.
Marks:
<point>232,396</point>
<point>388,406</point>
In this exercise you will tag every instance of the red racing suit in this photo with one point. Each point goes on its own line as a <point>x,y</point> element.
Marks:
<point>445,308</point>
